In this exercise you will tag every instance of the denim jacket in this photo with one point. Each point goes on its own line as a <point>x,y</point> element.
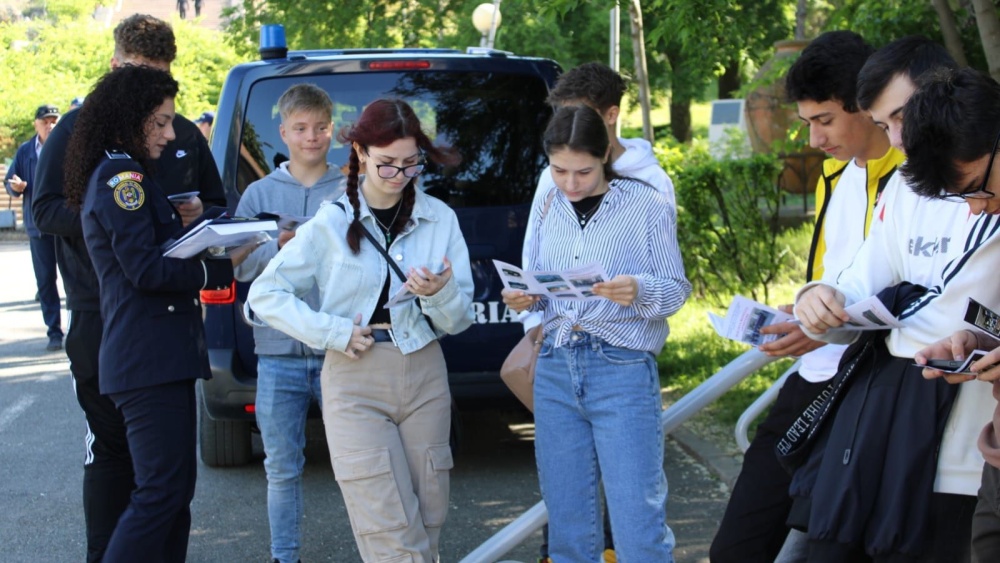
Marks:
<point>350,284</point>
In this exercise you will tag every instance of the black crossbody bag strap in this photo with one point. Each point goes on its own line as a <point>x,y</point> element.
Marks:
<point>385,253</point>
<point>392,264</point>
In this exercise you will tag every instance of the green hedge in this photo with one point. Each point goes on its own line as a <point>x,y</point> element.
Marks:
<point>727,221</point>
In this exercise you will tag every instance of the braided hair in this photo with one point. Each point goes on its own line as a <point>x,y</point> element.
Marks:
<point>383,122</point>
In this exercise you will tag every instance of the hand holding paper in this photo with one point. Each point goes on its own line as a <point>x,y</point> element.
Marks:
<point>574,283</point>
<point>744,320</point>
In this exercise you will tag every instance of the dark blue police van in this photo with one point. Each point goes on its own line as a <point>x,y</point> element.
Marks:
<point>490,105</point>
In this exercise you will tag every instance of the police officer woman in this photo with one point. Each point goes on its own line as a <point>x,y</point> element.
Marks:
<point>153,346</point>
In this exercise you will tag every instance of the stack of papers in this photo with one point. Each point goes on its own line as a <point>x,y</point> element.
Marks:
<point>574,283</point>
<point>214,229</point>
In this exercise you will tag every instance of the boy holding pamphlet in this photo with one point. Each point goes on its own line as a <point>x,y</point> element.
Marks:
<point>288,372</point>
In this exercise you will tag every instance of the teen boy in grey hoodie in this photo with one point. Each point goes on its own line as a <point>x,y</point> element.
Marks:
<point>288,372</point>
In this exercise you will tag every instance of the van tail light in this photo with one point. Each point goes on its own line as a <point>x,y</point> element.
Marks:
<point>250,409</point>
<point>219,296</point>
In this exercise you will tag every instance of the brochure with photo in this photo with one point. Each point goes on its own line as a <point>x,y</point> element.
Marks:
<point>744,318</point>
<point>575,283</point>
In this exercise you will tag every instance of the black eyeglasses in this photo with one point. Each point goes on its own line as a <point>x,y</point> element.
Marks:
<point>982,192</point>
<point>387,171</point>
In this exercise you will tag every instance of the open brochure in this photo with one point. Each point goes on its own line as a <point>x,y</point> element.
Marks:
<point>214,229</point>
<point>574,283</point>
<point>745,317</point>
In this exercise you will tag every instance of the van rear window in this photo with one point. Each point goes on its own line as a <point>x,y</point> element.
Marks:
<point>495,120</point>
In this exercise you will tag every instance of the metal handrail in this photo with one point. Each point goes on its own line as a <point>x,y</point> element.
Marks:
<point>758,406</point>
<point>513,534</point>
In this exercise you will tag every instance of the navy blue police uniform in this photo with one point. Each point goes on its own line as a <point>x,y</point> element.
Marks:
<point>152,350</point>
<point>185,165</point>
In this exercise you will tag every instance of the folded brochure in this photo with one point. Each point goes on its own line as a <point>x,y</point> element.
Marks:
<point>745,317</point>
<point>574,283</point>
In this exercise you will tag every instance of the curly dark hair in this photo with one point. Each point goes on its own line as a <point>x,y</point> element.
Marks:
<point>114,115</point>
<point>828,69</point>
<point>383,122</point>
<point>596,84</point>
<point>147,37</point>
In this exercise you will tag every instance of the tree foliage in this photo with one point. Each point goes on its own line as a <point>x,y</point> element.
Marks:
<point>727,221</point>
<point>571,37</point>
<point>52,61</point>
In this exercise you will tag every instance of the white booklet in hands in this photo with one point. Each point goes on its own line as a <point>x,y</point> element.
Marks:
<point>744,319</point>
<point>214,229</point>
<point>574,283</point>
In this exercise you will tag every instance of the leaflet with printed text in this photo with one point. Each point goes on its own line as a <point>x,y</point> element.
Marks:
<point>575,283</point>
<point>744,319</point>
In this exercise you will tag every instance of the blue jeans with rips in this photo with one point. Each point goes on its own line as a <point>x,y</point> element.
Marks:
<point>597,415</point>
<point>286,386</point>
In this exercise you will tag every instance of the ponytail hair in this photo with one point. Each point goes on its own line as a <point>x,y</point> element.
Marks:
<point>383,122</point>
<point>579,129</point>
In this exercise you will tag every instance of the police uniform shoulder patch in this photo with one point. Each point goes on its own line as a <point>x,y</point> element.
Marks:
<point>128,191</point>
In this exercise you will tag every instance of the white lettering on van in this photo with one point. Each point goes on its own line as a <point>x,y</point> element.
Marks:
<point>492,312</point>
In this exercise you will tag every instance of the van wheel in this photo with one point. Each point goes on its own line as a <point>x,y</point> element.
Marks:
<point>222,443</point>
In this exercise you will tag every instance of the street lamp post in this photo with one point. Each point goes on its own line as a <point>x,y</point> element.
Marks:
<point>486,19</point>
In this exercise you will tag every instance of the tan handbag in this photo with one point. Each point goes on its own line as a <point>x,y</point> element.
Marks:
<point>518,370</point>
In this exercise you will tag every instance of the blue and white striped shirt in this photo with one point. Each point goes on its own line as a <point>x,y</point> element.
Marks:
<point>632,233</point>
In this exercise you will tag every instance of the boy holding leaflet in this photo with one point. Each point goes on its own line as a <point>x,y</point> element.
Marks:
<point>288,372</point>
<point>822,82</point>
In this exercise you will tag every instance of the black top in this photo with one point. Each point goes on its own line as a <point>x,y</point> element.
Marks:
<point>586,208</point>
<point>185,165</point>
<point>384,218</point>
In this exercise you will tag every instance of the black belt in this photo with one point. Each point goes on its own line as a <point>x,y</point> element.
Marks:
<point>382,335</point>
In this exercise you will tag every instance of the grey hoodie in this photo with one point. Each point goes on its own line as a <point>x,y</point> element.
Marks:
<point>280,192</point>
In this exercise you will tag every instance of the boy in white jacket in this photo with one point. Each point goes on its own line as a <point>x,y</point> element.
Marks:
<point>919,240</point>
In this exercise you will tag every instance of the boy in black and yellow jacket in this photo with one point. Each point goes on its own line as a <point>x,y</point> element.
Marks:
<point>822,82</point>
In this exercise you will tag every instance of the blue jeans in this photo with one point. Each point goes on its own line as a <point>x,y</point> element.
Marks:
<point>43,261</point>
<point>597,414</point>
<point>286,386</point>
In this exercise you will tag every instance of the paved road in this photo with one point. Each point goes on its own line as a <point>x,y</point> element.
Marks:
<point>41,450</point>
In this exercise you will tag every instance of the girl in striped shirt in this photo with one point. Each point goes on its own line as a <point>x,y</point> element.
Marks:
<point>597,393</point>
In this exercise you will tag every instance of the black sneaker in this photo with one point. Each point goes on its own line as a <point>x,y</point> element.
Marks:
<point>55,343</point>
